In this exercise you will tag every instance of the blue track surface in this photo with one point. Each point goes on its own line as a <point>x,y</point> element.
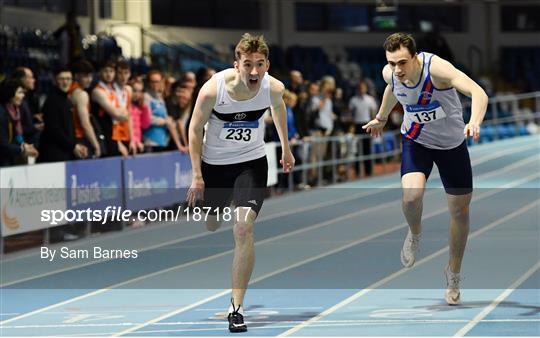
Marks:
<point>327,265</point>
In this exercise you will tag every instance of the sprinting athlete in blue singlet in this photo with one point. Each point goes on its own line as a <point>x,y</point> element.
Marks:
<point>433,131</point>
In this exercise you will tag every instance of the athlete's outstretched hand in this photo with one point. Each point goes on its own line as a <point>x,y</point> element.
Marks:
<point>287,161</point>
<point>472,129</point>
<point>374,127</point>
<point>195,192</point>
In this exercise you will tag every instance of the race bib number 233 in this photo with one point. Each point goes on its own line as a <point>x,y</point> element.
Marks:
<point>239,132</point>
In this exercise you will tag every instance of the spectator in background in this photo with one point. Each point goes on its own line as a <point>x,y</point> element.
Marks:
<point>179,109</point>
<point>325,120</point>
<point>290,100</point>
<point>123,135</point>
<point>189,79</point>
<point>340,111</point>
<point>156,137</point>
<point>203,74</point>
<point>168,82</point>
<point>113,119</point>
<point>296,82</point>
<point>13,148</point>
<point>312,106</point>
<point>58,142</point>
<point>301,118</point>
<point>363,108</point>
<point>140,114</point>
<point>84,130</point>
<point>30,115</point>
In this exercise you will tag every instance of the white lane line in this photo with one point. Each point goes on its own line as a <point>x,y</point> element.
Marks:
<point>479,317</point>
<point>97,292</point>
<point>322,324</point>
<point>258,310</point>
<point>166,224</point>
<point>385,280</point>
<point>405,270</point>
<point>201,260</point>
<point>265,218</point>
<point>268,322</point>
<point>203,234</point>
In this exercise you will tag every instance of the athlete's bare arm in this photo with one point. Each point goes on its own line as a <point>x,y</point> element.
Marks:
<point>375,126</point>
<point>279,115</point>
<point>100,98</point>
<point>444,74</point>
<point>201,114</point>
<point>80,101</point>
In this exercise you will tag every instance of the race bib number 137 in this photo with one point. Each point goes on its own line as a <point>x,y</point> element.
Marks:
<point>240,132</point>
<point>425,113</point>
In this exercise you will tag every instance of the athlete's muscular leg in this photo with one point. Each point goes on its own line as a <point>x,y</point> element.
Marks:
<point>413,185</point>
<point>458,231</point>
<point>244,253</point>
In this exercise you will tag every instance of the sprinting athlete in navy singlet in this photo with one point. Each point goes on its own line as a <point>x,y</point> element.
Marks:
<point>433,132</point>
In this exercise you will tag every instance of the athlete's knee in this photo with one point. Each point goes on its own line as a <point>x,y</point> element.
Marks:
<point>243,230</point>
<point>412,198</point>
<point>460,212</point>
<point>243,224</point>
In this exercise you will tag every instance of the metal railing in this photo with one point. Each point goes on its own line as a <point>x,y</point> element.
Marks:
<point>319,158</point>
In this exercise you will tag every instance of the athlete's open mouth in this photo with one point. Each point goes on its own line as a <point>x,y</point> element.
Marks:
<point>253,81</point>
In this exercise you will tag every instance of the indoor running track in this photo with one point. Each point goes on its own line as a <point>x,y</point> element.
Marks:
<point>327,265</point>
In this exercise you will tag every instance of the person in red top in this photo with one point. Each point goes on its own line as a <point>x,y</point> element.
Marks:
<point>140,114</point>
<point>84,131</point>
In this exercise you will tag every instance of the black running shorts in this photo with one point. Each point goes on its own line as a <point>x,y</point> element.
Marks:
<point>243,184</point>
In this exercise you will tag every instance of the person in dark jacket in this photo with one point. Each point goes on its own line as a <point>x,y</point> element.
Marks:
<point>30,114</point>
<point>13,148</point>
<point>58,142</point>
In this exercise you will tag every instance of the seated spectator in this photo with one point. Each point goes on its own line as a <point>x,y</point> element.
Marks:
<point>13,148</point>
<point>58,142</point>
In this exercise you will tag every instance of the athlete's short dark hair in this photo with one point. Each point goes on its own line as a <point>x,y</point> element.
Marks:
<point>396,40</point>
